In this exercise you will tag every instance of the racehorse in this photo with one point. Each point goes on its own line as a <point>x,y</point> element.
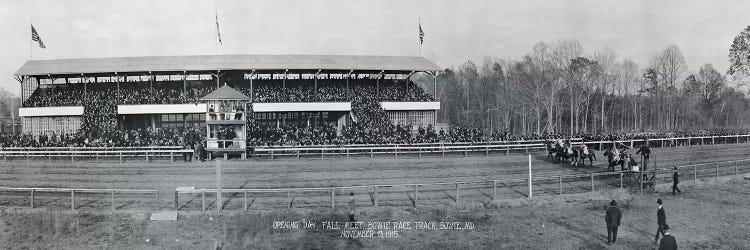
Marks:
<point>614,158</point>
<point>564,153</point>
<point>586,153</point>
<point>550,145</point>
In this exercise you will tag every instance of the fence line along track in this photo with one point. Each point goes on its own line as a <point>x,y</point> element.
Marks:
<point>481,147</point>
<point>111,191</point>
<point>170,152</point>
<point>586,182</point>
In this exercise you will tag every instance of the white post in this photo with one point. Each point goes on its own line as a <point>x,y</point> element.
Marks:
<point>530,191</point>
<point>218,185</point>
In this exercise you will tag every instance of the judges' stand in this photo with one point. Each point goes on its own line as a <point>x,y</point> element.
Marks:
<point>226,122</point>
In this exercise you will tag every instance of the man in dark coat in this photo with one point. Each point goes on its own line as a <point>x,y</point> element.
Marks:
<point>645,152</point>
<point>668,242</point>
<point>661,219</point>
<point>675,181</point>
<point>612,217</point>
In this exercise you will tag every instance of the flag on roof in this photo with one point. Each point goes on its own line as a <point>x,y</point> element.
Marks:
<point>35,37</point>
<point>218,33</point>
<point>421,34</point>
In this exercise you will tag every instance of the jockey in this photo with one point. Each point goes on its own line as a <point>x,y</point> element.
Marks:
<point>585,149</point>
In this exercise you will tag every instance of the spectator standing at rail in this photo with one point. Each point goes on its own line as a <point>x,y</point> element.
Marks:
<point>661,219</point>
<point>645,152</point>
<point>675,181</point>
<point>612,217</point>
<point>668,242</point>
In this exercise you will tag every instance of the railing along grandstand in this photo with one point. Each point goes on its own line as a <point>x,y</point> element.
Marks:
<point>541,186</point>
<point>97,153</point>
<point>111,191</point>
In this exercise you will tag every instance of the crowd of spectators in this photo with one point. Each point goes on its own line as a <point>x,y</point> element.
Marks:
<point>371,124</point>
<point>110,138</point>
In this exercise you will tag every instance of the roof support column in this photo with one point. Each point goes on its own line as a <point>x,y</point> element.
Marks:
<point>218,71</point>
<point>283,82</point>
<point>377,83</point>
<point>151,85</point>
<point>83,79</point>
<point>184,82</point>
<point>434,85</point>
<point>316,83</point>
<point>349,75</point>
<point>118,85</point>
<point>252,75</point>
<point>52,82</point>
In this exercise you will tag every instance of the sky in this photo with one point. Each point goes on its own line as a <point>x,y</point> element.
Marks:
<point>455,31</point>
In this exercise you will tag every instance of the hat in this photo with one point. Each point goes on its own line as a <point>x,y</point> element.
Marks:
<point>666,227</point>
<point>613,203</point>
<point>675,168</point>
<point>658,201</point>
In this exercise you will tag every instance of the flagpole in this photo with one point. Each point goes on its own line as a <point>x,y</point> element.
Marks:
<point>216,14</point>
<point>31,56</point>
<point>419,22</point>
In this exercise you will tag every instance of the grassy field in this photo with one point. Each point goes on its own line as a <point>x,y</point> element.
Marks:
<point>316,172</point>
<point>705,216</point>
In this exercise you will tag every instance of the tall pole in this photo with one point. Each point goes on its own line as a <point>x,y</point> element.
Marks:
<point>218,185</point>
<point>530,192</point>
<point>31,56</point>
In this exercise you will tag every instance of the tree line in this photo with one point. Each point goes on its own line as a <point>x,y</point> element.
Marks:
<point>558,88</point>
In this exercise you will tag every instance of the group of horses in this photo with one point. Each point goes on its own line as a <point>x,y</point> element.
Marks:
<point>574,156</point>
<point>570,155</point>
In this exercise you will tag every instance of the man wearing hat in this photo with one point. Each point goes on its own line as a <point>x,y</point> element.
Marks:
<point>668,242</point>
<point>645,152</point>
<point>675,180</point>
<point>661,219</point>
<point>612,217</point>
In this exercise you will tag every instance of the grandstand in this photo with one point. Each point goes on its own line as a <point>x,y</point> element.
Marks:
<point>133,99</point>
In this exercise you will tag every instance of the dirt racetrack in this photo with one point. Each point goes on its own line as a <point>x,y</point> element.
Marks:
<point>334,172</point>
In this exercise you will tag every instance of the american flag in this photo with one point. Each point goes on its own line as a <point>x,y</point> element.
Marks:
<point>35,37</point>
<point>421,34</point>
<point>218,33</point>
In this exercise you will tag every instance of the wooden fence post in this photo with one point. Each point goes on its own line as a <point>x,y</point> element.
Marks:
<point>113,201</point>
<point>695,173</point>
<point>146,156</point>
<point>120,157</point>
<point>245,199</point>
<point>73,199</point>
<point>561,188</point>
<point>32,197</point>
<point>592,181</point>
<point>716,164</point>
<point>456,193</point>
<point>735,168</point>
<point>333,193</point>
<point>203,200</point>
<point>416,194</point>
<point>620,180</point>
<point>176,199</point>
<point>494,190</point>
<point>375,198</point>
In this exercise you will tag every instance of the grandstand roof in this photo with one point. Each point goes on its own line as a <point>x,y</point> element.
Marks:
<point>225,93</point>
<point>224,62</point>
